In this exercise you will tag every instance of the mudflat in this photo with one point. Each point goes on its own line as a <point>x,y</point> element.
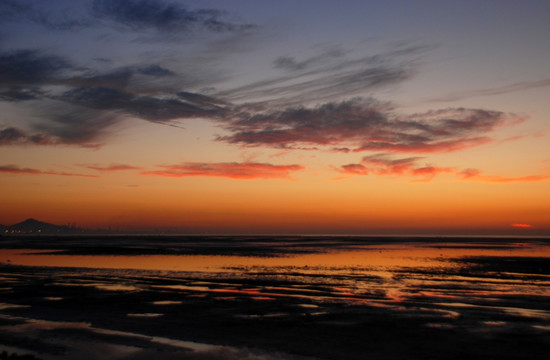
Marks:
<point>129,297</point>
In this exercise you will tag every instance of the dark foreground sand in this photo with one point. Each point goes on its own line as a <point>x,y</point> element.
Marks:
<point>465,307</point>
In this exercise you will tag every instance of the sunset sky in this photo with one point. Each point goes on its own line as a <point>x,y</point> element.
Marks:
<point>355,117</point>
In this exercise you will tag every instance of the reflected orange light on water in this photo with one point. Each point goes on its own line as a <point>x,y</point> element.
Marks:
<point>376,256</point>
<point>478,284</point>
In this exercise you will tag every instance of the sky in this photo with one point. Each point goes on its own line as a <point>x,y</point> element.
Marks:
<point>277,117</point>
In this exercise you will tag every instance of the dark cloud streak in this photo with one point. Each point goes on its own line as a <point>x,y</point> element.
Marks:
<point>144,107</point>
<point>14,136</point>
<point>519,86</point>
<point>16,170</point>
<point>26,67</point>
<point>163,16</point>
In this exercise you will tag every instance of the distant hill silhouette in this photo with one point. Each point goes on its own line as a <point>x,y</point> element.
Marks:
<point>33,226</point>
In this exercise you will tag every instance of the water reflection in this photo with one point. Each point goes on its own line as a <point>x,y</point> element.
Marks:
<point>452,288</point>
<point>321,260</point>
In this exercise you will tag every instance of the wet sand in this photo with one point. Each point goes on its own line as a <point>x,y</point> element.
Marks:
<point>275,298</point>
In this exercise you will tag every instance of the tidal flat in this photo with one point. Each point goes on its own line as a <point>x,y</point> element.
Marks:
<point>226,297</point>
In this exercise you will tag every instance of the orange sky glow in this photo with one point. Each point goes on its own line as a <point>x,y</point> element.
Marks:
<point>277,123</point>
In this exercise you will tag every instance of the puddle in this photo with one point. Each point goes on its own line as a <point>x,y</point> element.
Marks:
<point>4,306</point>
<point>145,315</point>
<point>167,302</point>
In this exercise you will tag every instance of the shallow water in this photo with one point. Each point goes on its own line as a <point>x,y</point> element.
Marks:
<point>443,294</point>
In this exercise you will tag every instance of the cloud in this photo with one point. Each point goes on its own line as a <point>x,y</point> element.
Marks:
<point>96,101</point>
<point>68,113</point>
<point>155,70</point>
<point>365,125</point>
<point>150,78</point>
<point>74,125</point>
<point>11,135</point>
<point>78,106</point>
<point>163,16</point>
<point>355,169</point>
<point>145,107</point>
<point>524,226</point>
<point>137,15</point>
<point>52,20</point>
<point>17,93</point>
<point>289,63</point>
<point>14,169</point>
<point>24,72</point>
<point>14,136</point>
<point>247,170</point>
<point>519,86</point>
<point>328,75</point>
<point>344,80</point>
<point>384,164</point>
<point>26,67</point>
<point>474,174</point>
<point>112,167</point>
<point>12,8</point>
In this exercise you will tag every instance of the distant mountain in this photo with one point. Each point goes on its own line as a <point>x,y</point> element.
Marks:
<point>33,226</point>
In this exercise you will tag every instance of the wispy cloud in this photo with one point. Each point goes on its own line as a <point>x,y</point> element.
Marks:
<point>234,170</point>
<point>112,167</point>
<point>14,169</point>
<point>290,63</point>
<point>327,76</point>
<point>474,174</point>
<point>519,86</point>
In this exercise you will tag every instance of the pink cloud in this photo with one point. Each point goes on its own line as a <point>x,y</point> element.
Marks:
<point>247,170</point>
<point>384,164</point>
<point>474,174</point>
<point>524,226</point>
